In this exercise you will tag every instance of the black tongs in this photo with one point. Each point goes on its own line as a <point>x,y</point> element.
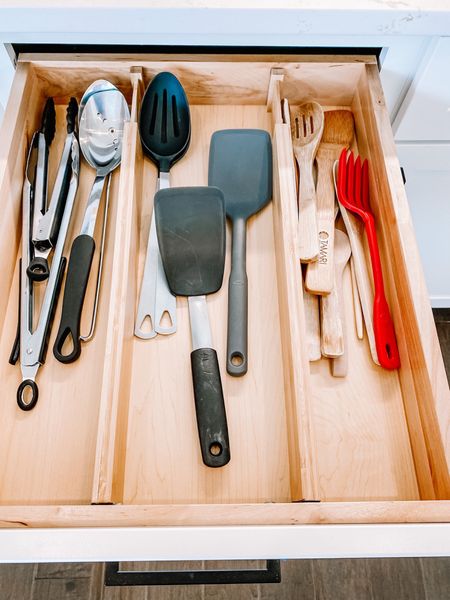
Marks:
<point>44,231</point>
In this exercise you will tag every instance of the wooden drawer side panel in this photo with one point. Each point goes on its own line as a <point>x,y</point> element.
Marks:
<point>18,120</point>
<point>413,314</point>
<point>113,416</point>
<point>303,466</point>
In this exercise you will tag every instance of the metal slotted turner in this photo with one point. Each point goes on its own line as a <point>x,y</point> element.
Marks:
<point>190,223</point>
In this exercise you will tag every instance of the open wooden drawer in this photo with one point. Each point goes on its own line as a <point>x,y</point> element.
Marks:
<point>113,438</point>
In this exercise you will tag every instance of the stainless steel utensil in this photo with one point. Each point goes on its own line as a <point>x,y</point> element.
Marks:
<point>101,131</point>
<point>33,340</point>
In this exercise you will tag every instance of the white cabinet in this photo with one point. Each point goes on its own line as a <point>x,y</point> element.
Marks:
<point>427,170</point>
<point>425,112</point>
<point>422,132</point>
<point>6,77</point>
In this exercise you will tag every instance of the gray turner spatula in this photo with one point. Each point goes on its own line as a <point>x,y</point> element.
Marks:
<point>240,164</point>
<point>190,224</point>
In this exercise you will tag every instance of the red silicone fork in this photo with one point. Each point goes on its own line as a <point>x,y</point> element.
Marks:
<point>353,192</point>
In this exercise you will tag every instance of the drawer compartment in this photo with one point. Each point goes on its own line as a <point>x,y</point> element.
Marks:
<point>118,426</point>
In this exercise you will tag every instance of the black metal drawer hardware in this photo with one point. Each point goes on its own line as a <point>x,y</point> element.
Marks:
<point>115,577</point>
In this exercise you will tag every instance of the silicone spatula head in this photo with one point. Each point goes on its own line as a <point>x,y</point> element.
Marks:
<point>240,164</point>
<point>190,224</point>
<point>164,121</point>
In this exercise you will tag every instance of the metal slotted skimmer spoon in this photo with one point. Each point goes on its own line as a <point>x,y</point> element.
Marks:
<point>101,122</point>
<point>165,130</point>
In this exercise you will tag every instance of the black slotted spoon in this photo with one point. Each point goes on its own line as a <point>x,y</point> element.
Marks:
<point>165,130</point>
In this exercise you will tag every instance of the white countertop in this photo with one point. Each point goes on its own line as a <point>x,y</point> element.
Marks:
<point>260,22</point>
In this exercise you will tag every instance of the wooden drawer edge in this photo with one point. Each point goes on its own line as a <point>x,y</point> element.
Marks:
<point>225,514</point>
<point>51,59</point>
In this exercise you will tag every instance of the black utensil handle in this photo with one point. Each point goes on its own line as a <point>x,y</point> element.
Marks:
<point>237,358</point>
<point>210,408</point>
<point>71,115</point>
<point>51,314</point>
<point>33,394</point>
<point>38,269</point>
<point>15,350</point>
<point>61,204</point>
<point>80,262</point>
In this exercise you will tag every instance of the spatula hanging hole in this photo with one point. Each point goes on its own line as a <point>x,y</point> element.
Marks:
<point>237,359</point>
<point>153,117</point>
<point>164,119</point>
<point>166,320</point>
<point>215,449</point>
<point>68,346</point>
<point>176,128</point>
<point>146,325</point>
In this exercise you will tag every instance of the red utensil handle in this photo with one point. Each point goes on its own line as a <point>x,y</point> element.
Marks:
<point>385,340</point>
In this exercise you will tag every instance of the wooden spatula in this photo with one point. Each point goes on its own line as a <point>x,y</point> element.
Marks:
<point>306,129</point>
<point>337,133</point>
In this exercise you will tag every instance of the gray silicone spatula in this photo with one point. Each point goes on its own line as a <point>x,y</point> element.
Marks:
<point>190,224</point>
<point>240,164</point>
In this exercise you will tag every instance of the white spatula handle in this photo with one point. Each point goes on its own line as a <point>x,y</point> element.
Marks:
<point>155,298</point>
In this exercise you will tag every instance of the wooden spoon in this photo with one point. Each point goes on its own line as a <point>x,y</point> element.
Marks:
<point>339,365</point>
<point>331,305</point>
<point>306,129</point>
<point>338,132</point>
<point>312,324</point>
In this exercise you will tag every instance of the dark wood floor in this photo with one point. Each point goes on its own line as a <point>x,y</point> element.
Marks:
<point>355,579</point>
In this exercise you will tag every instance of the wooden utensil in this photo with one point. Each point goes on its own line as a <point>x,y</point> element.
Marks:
<point>312,324</point>
<point>310,301</point>
<point>331,312</point>
<point>359,326</point>
<point>306,129</point>
<point>338,131</point>
<point>339,365</point>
